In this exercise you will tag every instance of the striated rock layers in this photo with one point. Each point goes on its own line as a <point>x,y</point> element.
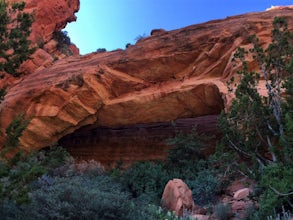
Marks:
<point>133,143</point>
<point>163,77</point>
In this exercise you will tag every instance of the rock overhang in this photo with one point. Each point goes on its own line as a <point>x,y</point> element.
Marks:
<point>176,74</point>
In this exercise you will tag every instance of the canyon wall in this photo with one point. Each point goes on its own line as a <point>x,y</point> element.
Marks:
<point>49,16</point>
<point>166,76</point>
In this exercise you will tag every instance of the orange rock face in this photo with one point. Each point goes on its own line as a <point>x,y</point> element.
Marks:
<point>169,75</point>
<point>49,16</point>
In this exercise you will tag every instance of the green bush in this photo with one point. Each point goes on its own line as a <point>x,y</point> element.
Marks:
<point>3,92</point>
<point>223,211</point>
<point>254,214</point>
<point>76,197</point>
<point>84,196</point>
<point>14,131</point>
<point>18,172</point>
<point>152,212</point>
<point>284,215</point>
<point>63,42</point>
<point>186,161</point>
<point>277,185</point>
<point>205,187</point>
<point>185,148</point>
<point>62,38</point>
<point>145,178</point>
<point>101,50</point>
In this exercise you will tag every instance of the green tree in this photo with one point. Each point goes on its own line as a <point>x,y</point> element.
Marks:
<point>14,131</point>
<point>14,49</point>
<point>257,125</point>
<point>14,32</point>
<point>260,128</point>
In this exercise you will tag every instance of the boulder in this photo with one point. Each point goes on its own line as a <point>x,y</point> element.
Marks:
<point>177,197</point>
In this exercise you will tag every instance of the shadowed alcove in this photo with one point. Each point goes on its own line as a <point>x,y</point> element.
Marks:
<point>128,144</point>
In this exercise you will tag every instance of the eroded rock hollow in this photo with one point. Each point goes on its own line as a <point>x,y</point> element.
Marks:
<point>133,143</point>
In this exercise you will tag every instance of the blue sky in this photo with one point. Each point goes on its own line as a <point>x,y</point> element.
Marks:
<point>111,24</point>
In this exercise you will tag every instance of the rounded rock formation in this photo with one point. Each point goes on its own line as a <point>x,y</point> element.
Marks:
<point>179,74</point>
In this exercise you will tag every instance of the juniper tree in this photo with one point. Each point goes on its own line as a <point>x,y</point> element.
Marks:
<point>15,27</point>
<point>256,124</point>
<point>15,48</point>
<point>260,128</point>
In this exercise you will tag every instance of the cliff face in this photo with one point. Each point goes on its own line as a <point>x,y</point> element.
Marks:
<point>169,75</point>
<point>49,17</point>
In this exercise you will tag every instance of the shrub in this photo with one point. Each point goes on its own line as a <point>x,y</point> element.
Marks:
<point>255,215</point>
<point>185,148</point>
<point>3,92</point>
<point>18,172</point>
<point>128,45</point>
<point>284,215</point>
<point>63,42</point>
<point>140,37</point>
<point>277,189</point>
<point>14,131</point>
<point>62,38</point>
<point>223,211</point>
<point>80,196</point>
<point>14,32</point>
<point>76,197</point>
<point>152,212</point>
<point>205,187</point>
<point>145,178</point>
<point>101,50</point>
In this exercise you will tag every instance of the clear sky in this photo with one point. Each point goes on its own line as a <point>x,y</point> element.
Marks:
<point>111,24</point>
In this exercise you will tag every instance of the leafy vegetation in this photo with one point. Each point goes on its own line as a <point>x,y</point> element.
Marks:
<point>63,42</point>
<point>14,31</point>
<point>14,50</point>
<point>14,131</point>
<point>259,128</point>
<point>19,171</point>
<point>223,211</point>
<point>101,50</point>
<point>205,187</point>
<point>147,178</point>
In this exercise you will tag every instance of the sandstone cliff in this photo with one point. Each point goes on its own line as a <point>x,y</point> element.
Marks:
<point>49,17</point>
<point>166,76</point>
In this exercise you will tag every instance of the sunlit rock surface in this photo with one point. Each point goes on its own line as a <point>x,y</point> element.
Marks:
<point>49,16</point>
<point>164,77</point>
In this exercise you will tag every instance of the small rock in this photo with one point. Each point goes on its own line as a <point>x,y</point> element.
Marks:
<point>241,194</point>
<point>241,206</point>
